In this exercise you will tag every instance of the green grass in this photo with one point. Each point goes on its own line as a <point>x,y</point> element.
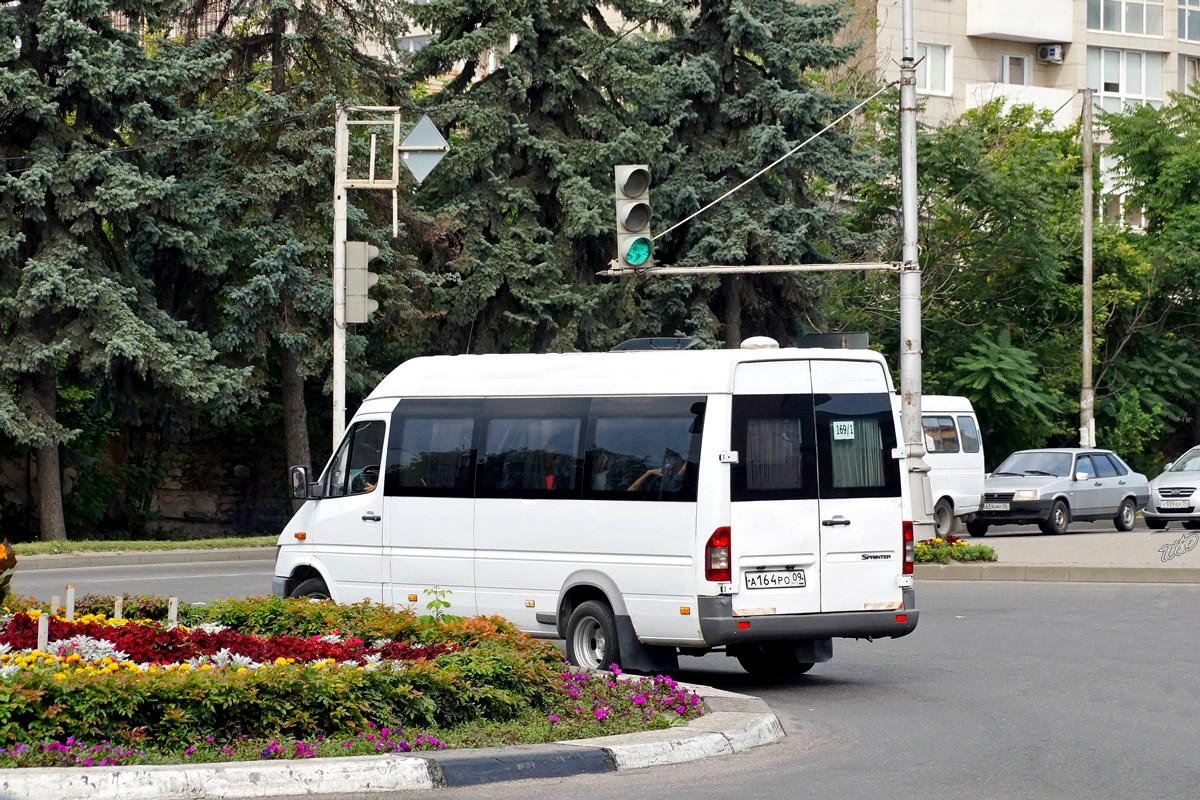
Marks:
<point>118,546</point>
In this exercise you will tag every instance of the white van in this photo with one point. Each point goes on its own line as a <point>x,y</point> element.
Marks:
<point>954,453</point>
<point>638,504</point>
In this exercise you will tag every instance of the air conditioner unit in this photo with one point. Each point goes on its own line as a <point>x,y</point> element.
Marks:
<point>1050,53</point>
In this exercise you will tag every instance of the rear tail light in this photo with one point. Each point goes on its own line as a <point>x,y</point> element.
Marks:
<point>909,548</point>
<point>716,557</point>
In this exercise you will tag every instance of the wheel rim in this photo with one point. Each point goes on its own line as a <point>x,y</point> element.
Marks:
<point>1060,517</point>
<point>589,643</point>
<point>942,520</point>
<point>1127,515</point>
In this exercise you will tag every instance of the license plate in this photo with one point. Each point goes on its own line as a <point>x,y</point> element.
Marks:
<point>1174,503</point>
<point>995,506</point>
<point>775,579</point>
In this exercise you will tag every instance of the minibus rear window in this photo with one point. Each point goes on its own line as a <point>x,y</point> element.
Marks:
<point>774,439</point>
<point>970,434</point>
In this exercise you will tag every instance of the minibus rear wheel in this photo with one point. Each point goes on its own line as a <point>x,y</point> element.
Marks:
<point>313,589</point>
<point>592,636</point>
<point>772,660</point>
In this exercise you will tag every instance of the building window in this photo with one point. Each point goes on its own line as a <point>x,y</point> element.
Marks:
<point>1191,73</point>
<point>1124,78</point>
<point>933,69</point>
<point>1189,20</point>
<point>1141,17</point>
<point>412,44</point>
<point>1014,69</point>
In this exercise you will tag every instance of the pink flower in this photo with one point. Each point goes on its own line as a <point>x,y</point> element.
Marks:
<point>601,713</point>
<point>553,718</point>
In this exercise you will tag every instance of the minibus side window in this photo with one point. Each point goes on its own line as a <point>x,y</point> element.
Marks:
<point>970,434</point>
<point>430,456</point>
<point>773,437</point>
<point>940,435</point>
<point>532,448</point>
<point>355,467</point>
<point>644,448</point>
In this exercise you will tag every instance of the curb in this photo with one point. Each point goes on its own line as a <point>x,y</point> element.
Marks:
<point>73,561</point>
<point>1062,573</point>
<point>735,723</point>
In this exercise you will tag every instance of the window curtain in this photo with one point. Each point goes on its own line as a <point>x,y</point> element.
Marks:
<point>858,462</point>
<point>774,460</point>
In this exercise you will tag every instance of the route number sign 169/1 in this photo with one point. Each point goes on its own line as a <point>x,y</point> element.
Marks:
<point>843,429</point>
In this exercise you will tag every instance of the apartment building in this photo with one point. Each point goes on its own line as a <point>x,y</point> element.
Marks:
<point>1041,52</point>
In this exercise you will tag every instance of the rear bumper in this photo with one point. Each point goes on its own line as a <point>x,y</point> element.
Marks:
<point>718,626</point>
<point>1033,511</point>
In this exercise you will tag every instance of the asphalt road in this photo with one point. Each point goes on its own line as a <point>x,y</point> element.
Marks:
<point>191,583</point>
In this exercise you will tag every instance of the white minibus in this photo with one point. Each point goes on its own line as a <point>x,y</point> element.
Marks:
<point>954,453</point>
<point>638,504</point>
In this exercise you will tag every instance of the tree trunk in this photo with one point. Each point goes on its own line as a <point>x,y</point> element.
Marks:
<point>732,286</point>
<point>41,401</point>
<point>295,414</point>
<point>278,65</point>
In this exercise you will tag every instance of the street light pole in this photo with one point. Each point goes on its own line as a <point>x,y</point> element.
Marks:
<point>1087,393</point>
<point>910,290</point>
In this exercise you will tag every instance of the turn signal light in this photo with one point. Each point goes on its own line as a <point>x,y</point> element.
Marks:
<point>716,556</point>
<point>301,535</point>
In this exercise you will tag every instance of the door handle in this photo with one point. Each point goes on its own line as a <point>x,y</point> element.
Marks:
<point>372,517</point>
<point>1121,482</point>
<point>1097,483</point>
<point>831,522</point>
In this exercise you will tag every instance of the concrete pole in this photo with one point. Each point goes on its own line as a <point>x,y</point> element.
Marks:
<point>910,290</point>
<point>1087,394</point>
<point>340,166</point>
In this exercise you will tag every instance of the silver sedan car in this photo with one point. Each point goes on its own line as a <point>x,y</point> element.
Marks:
<point>1174,495</point>
<point>1054,486</point>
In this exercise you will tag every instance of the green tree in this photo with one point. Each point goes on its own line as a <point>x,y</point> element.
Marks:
<point>91,204</point>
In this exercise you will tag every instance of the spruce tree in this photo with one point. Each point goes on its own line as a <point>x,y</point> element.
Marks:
<point>96,195</point>
<point>530,174</point>
<point>744,86</point>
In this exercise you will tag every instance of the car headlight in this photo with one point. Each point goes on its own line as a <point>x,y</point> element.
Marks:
<point>1024,495</point>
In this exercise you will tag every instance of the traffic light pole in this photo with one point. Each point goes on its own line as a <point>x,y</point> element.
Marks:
<point>910,291</point>
<point>421,150</point>
<point>341,161</point>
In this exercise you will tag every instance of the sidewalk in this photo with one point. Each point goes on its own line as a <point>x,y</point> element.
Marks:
<point>1094,555</point>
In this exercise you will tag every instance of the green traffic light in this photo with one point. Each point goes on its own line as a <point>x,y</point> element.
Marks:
<point>638,251</point>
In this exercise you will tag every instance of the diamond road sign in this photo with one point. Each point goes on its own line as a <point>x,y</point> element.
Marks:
<point>423,148</point>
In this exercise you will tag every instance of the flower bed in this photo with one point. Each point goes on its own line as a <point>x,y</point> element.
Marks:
<point>944,549</point>
<point>273,678</point>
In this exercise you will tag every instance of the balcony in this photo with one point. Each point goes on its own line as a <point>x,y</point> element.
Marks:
<point>1021,20</point>
<point>1040,97</point>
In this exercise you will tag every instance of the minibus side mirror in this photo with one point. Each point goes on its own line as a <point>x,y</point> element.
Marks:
<point>298,476</point>
<point>1081,476</point>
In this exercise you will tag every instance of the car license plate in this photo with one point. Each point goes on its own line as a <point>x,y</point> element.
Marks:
<point>1174,503</point>
<point>995,506</point>
<point>775,579</point>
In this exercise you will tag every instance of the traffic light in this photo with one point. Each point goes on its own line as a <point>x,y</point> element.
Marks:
<point>634,244</point>
<point>359,281</point>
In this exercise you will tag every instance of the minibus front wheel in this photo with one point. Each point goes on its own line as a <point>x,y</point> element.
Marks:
<point>592,636</point>
<point>313,589</point>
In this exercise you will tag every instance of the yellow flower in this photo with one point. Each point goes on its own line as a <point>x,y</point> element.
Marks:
<point>58,676</point>
<point>280,661</point>
<point>185,667</point>
<point>241,670</point>
<point>938,539</point>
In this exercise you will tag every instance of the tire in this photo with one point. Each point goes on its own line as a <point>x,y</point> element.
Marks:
<point>312,588</point>
<point>1193,525</point>
<point>1155,524</point>
<point>943,517</point>
<point>1126,515</point>
<point>592,636</point>
<point>773,660</point>
<point>1060,518</point>
<point>977,528</point>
